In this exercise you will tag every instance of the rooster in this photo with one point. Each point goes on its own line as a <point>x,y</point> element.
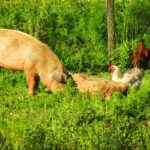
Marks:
<point>141,56</point>
<point>131,77</point>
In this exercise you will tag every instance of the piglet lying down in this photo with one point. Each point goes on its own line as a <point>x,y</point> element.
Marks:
<point>105,88</point>
<point>20,51</point>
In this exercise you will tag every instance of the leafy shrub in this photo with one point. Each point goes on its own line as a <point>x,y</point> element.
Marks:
<point>122,56</point>
<point>131,19</point>
<point>146,38</point>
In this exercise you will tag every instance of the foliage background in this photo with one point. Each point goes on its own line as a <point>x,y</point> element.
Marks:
<point>76,31</point>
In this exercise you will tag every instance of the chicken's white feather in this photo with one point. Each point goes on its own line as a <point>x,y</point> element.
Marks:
<point>131,77</point>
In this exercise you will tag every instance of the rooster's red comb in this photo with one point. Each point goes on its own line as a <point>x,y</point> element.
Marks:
<point>111,65</point>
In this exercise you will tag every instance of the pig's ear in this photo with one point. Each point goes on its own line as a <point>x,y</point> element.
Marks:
<point>59,76</point>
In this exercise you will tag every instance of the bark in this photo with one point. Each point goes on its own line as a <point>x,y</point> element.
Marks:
<point>110,25</point>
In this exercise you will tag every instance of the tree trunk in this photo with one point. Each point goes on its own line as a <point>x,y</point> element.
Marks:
<point>110,25</point>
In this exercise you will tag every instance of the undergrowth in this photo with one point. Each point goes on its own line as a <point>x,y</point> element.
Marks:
<point>72,120</point>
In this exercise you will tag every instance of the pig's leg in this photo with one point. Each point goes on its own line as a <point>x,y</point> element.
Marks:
<point>37,80</point>
<point>32,81</point>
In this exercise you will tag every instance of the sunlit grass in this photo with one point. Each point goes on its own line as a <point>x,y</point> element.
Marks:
<point>71,119</point>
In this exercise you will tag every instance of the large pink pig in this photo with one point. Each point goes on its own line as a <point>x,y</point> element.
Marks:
<point>20,51</point>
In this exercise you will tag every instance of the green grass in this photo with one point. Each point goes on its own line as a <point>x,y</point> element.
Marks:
<point>71,120</point>
<point>77,32</point>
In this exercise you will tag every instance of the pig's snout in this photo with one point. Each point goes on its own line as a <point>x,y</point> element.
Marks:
<point>60,76</point>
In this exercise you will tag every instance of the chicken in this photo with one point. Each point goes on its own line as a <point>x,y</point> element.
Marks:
<point>141,56</point>
<point>105,88</point>
<point>132,77</point>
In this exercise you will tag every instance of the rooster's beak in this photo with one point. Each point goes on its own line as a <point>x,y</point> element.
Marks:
<point>110,69</point>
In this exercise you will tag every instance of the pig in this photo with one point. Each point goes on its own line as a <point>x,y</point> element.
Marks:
<point>20,51</point>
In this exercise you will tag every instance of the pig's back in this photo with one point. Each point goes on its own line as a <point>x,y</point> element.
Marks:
<point>16,48</point>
